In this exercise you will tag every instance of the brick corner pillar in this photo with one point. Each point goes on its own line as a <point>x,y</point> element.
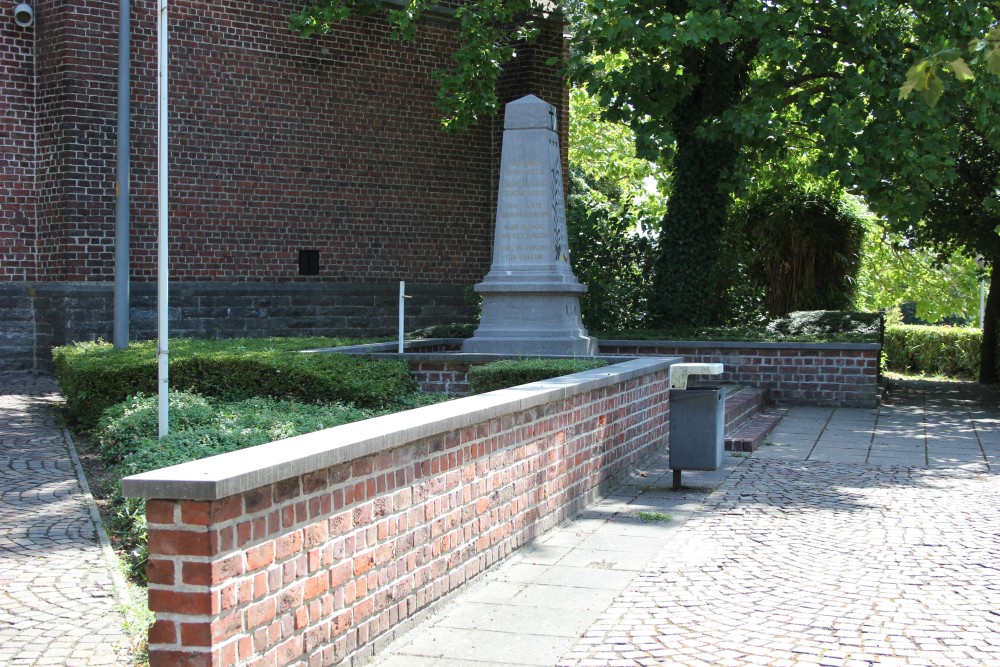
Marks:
<point>195,586</point>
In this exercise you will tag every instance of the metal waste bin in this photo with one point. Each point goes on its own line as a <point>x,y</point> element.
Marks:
<point>697,429</point>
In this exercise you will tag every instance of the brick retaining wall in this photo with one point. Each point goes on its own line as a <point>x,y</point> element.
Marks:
<point>843,374</point>
<point>833,374</point>
<point>308,550</point>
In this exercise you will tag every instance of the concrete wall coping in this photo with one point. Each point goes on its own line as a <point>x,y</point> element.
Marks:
<point>412,347</point>
<point>236,472</point>
<point>732,344</point>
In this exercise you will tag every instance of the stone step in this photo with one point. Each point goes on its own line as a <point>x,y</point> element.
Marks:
<point>742,405</point>
<point>748,417</point>
<point>747,438</point>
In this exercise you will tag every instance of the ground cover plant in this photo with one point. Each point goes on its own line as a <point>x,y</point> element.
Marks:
<point>95,376</point>
<point>512,372</point>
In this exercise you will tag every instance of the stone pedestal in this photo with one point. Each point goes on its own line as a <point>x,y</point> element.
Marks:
<point>531,299</point>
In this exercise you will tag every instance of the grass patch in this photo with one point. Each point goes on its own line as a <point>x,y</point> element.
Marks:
<point>650,517</point>
<point>137,621</point>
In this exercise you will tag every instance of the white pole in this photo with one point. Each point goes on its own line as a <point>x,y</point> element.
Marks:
<point>162,272</point>
<point>402,306</point>
<point>982,303</point>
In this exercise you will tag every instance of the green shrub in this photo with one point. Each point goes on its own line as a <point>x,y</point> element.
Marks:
<point>827,322</point>
<point>803,247</point>
<point>609,250</point>
<point>199,427</point>
<point>445,331</point>
<point>94,376</point>
<point>801,327</point>
<point>923,350</point>
<point>513,372</point>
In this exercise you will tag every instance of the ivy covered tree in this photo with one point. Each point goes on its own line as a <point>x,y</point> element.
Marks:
<point>710,86</point>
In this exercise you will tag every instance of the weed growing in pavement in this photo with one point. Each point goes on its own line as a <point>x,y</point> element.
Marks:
<point>653,516</point>
<point>137,619</point>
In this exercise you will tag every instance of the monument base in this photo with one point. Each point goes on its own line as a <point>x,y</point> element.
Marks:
<point>530,323</point>
<point>584,346</point>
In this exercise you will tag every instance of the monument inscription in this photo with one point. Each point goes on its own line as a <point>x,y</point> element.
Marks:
<point>531,299</point>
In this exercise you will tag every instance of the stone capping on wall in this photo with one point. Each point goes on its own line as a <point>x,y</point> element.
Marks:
<point>729,344</point>
<point>236,472</point>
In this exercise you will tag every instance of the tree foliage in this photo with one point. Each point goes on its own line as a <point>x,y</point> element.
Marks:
<point>705,84</point>
<point>615,203</point>
<point>893,273</point>
<point>925,76</point>
<point>803,248</point>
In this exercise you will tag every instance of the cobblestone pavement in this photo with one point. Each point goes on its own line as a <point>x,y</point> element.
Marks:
<point>57,604</point>
<point>857,538</point>
<point>854,538</point>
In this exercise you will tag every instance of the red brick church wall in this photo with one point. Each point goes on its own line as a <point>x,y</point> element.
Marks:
<point>277,144</point>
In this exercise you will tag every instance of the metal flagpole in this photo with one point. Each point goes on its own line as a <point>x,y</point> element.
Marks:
<point>162,273</point>
<point>121,293</point>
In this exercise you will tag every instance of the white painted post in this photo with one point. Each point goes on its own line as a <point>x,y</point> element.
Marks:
<point>402,308</point>
<point>162,272</point>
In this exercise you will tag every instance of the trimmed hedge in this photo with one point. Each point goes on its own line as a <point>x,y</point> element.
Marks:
<point>827,323</point>
<point>95,376</point>
<point>926,350</point>
<point>513,372</point>
<point>199,427</point>
<point>445,331</point>
<point>808,326</point>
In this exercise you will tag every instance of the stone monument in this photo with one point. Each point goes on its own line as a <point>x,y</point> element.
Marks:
<point>531,299</point>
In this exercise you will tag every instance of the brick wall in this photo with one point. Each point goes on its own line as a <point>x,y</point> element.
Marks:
<point>334,547</point>
<point>278,144</point>
<point>788,373</point>
<point>441,377</point>
<point>17,149</point>
<point>793,373</point>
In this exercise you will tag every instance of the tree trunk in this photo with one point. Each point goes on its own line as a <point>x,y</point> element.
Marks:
<point>988,371</point>
<point>685,272</point>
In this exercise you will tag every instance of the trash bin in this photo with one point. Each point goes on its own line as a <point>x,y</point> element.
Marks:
<point>697,429</point>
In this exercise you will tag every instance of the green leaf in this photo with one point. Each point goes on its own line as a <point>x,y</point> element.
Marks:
<point>933,90</point>
<point>993,61</point>
<point>961,70</point>
<point>916,79</point>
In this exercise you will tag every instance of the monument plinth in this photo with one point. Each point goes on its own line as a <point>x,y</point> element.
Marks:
<point>531,299</point>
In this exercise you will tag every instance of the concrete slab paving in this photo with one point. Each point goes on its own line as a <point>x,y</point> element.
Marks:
<point>853,538</point>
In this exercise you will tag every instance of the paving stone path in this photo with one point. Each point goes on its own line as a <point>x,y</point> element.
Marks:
<point>856,538</point>
<point>819,564</point>
<point>57,603</point>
